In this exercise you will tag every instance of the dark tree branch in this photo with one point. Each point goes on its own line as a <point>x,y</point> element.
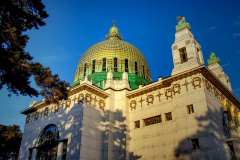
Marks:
<point>17,65</point>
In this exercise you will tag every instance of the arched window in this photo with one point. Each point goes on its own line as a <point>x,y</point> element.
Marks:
<point>143,71</point>
<point>104,64</point>
<point>47,143</point>
<point>136,68</point>
<point>49,135</point>
<point>115,64</point>
<point>126,65</point>
<point>85,70</point>
<point>183,55</point>
<point>93,66</point>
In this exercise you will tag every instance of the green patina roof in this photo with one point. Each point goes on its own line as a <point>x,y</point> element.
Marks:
<point>182,23</point>
<point>134,80</point>
<point>213,59</point>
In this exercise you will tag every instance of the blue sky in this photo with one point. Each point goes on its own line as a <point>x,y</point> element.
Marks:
<point>74,25</point>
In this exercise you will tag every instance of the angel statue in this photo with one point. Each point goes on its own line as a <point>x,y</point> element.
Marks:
<point>181,19</point>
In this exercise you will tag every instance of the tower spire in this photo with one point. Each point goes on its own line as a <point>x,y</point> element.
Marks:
<point>186,51</point>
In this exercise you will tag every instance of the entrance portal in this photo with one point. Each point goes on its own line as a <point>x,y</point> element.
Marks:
<point>48,143</point>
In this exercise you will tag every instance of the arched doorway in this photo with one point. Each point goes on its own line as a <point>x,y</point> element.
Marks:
<point>47,143</point>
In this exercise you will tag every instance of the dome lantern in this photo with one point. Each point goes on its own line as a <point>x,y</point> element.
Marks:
<point>113,32</point>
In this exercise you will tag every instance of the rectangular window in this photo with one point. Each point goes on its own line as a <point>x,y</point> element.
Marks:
<point>183,54</point>
<point>93,66</point>
<point>126,65</point>
<point>168,116</point>
<point>195,144</point>
<point>143,71</point>
<point>104,64</point>
<point>136,68</point>
<point>115,64</point>
<point>137,124</point>
<point>152,120</point>
<point>190,109</point>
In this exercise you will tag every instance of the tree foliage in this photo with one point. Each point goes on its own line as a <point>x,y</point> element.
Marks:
<point>17,66</point>
<point>10,141</point>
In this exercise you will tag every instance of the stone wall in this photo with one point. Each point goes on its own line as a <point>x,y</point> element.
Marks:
<point>174,139</point>
<point>78,124</point>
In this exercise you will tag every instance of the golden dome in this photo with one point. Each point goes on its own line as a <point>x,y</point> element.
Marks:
<point>116,52</point>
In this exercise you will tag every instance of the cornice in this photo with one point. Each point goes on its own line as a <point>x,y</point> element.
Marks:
<point>166,82</point>
<point>72,91</point>
<point>88,87</point>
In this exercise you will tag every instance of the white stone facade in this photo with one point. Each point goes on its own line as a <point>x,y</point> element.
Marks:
<point>79,125</point>
<point>190,115</point>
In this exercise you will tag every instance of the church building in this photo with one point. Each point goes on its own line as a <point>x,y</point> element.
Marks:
<point>115,111</point>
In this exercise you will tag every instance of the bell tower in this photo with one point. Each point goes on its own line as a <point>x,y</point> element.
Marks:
<point>186,51</point>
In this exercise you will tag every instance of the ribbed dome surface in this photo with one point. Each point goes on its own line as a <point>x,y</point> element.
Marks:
<point>110,48</point>
<point>113,47</point>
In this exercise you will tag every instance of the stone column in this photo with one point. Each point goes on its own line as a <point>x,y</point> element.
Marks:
<point>60,151</point>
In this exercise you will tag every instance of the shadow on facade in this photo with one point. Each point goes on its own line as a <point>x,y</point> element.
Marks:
<point>209,141</point>
<point>116,137</point>
<point>68,124</point>
<point>73,124</point>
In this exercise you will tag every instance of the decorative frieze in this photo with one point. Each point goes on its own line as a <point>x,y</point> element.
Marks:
<point>87,98</point>
<point>177,88</point>
<point>214,91</point>
<point>166,93</point>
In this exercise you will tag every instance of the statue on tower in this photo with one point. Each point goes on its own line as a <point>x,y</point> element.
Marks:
<point>181,19</point>
<point>182,23</point>
<point>213,59</point>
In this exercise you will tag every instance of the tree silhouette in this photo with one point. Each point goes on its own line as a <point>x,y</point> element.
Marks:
<point>10,140</point>
<point>16,64</point>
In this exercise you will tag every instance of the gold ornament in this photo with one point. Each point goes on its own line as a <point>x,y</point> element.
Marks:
<point>133,105</point>
<point>196,82</point>
<point>169,93</point>
<point>68,103</point>
<point>101,104</point>
<point>176,89</point>
<point>88,98</point>
<point>159,96</point>
<point>80,98</point>
<point>150,99</point>
<point>141,101</point>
